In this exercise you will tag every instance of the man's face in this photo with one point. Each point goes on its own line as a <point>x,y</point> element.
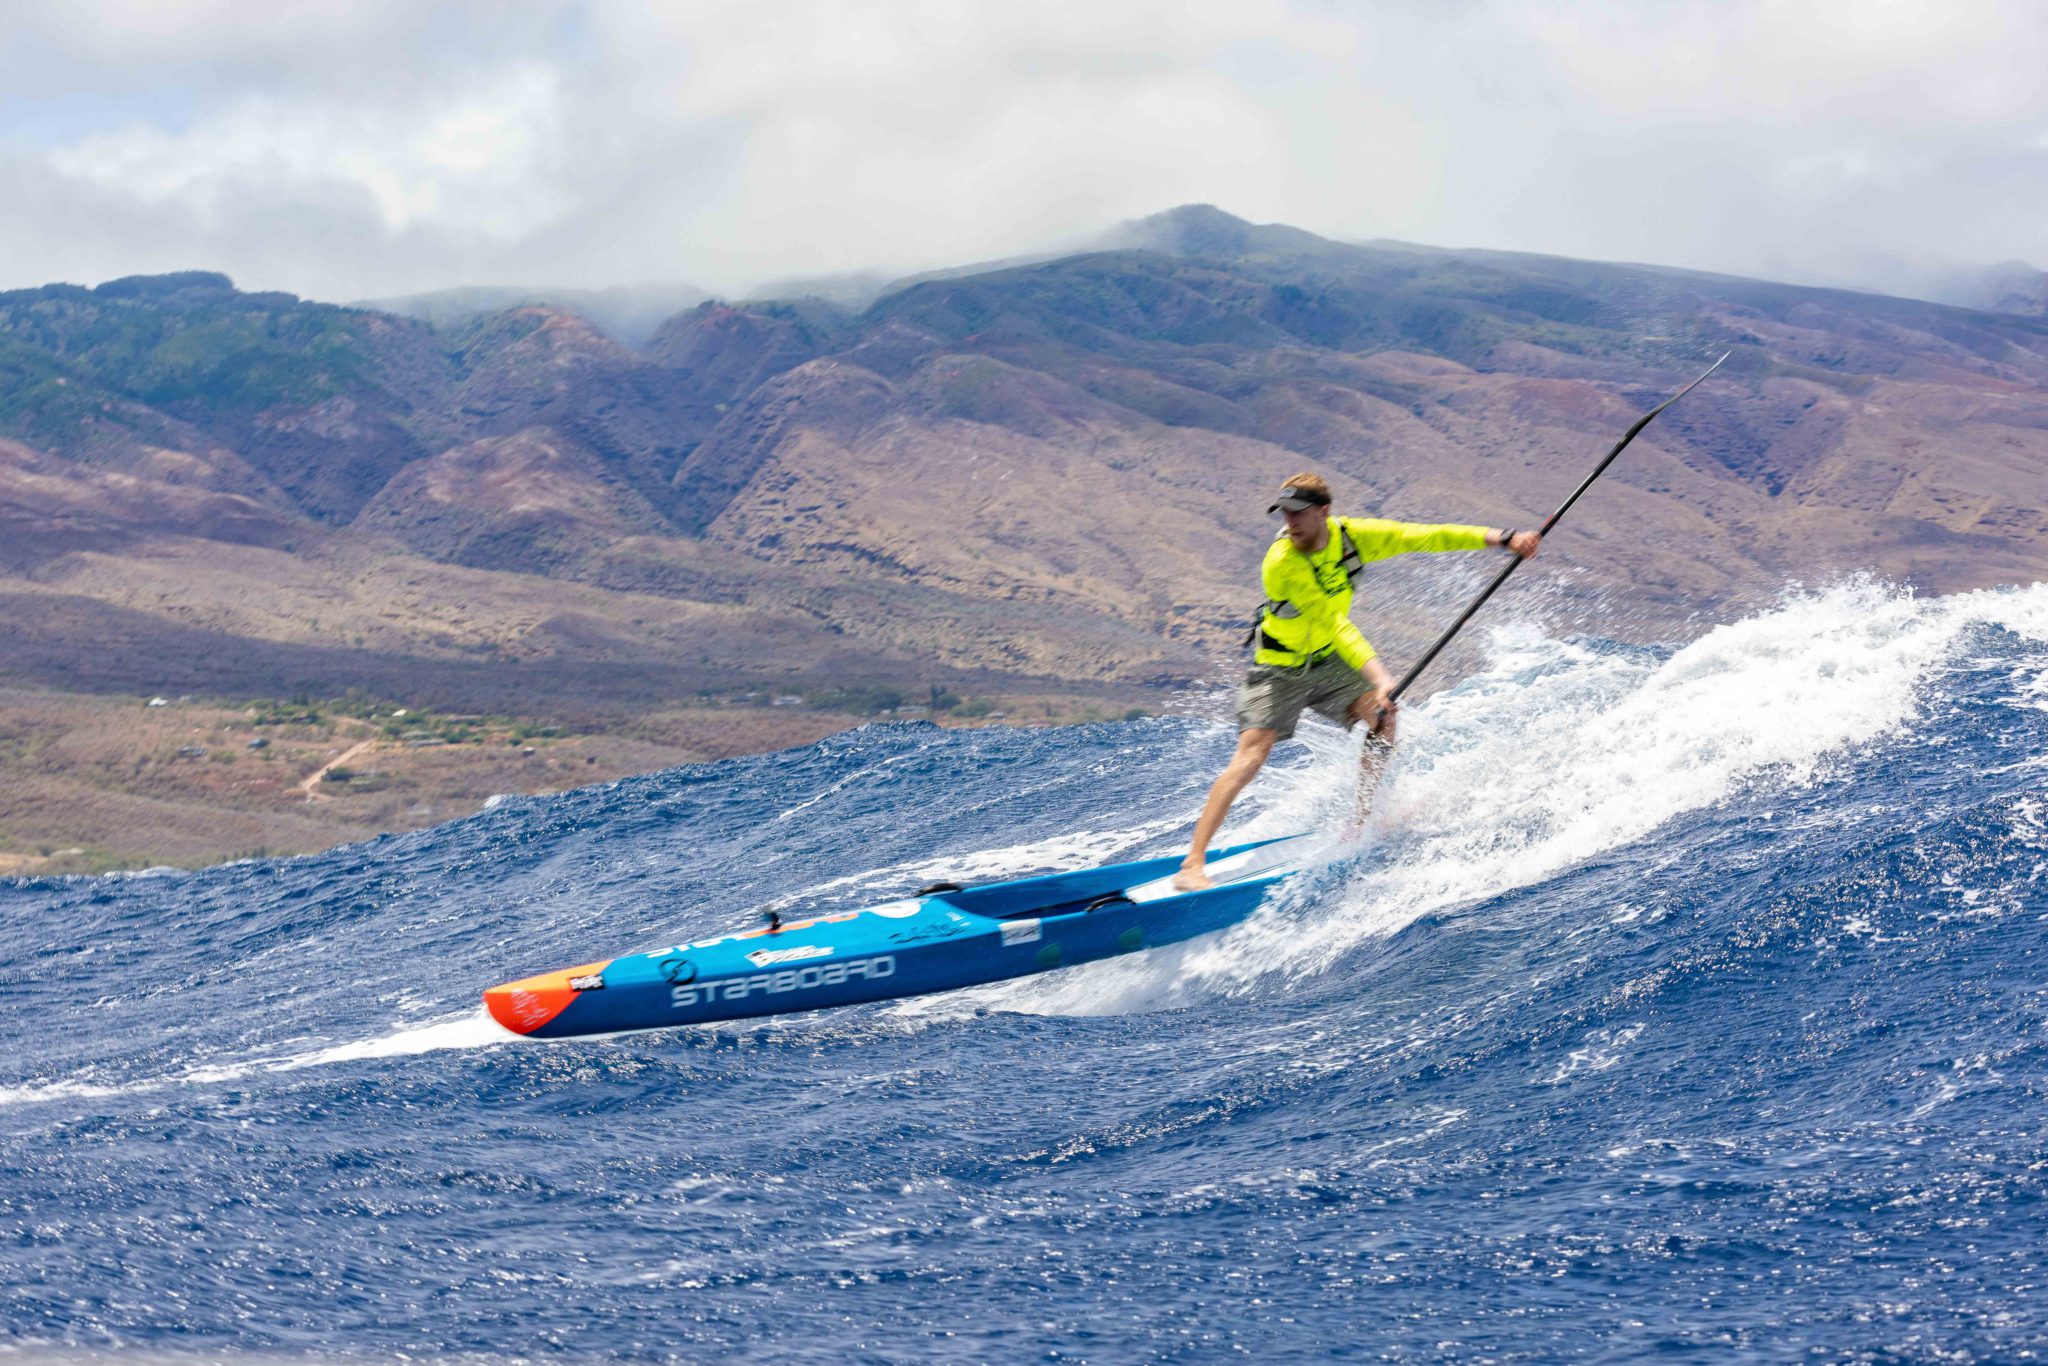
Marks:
<point>1306,527</point>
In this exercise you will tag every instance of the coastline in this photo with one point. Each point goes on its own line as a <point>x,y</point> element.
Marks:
<point>94,784</point>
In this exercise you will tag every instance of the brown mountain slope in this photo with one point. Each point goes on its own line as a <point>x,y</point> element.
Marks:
<point>49,507</point>
<point>532,502</point>
<point>982,477</point>
<point>1047,473</point>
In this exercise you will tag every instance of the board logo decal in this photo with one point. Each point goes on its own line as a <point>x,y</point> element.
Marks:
<point>768,958</point>
<point>789,979</point>
<point>897,910</point>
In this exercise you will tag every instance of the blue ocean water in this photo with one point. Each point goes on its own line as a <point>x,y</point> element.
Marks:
<point>1683,1002</point>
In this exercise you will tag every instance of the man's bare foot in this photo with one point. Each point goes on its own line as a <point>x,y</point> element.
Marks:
<point>1191,880</point>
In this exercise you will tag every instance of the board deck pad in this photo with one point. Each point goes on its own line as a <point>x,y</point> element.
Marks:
<point>1288,855</point>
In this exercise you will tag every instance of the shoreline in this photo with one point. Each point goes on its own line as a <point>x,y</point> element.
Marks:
<point>93,784</point>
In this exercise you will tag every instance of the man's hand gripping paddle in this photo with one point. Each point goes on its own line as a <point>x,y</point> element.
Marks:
<point>1380,748</point>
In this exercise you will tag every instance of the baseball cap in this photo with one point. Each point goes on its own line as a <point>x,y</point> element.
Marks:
<point>1294,499</point>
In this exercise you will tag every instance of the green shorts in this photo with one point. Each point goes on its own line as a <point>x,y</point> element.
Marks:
<point>1273,697</point>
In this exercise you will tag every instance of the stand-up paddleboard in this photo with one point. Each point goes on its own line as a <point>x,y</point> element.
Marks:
<point>943,938</point>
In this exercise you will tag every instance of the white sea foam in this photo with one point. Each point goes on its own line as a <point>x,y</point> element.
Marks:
<point>41,1089</point>
<point>1556,754</point>
<point>470,1029</point>
<point>1602,1049</point>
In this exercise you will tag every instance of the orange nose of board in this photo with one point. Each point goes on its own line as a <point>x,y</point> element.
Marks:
<point>526,1005</point>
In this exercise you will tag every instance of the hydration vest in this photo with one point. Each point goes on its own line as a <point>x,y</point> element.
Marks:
<point>1347,563</point>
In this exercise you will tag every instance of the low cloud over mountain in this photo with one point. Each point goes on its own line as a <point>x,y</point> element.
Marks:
<point>374,149</point>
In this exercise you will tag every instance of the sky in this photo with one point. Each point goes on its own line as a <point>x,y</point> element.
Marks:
<point>367,148</point>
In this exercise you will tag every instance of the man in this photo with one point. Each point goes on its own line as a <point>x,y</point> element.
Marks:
<point>1309,654</point>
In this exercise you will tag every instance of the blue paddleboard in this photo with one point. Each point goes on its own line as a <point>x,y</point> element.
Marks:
<point>935,941</point>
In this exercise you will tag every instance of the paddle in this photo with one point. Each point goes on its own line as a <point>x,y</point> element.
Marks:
<point>1515,562</point>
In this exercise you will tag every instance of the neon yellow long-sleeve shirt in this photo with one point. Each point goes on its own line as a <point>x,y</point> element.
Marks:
<point>1308,597</point>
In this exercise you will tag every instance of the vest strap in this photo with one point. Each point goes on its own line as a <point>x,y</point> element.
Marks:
<point>1352,565</point>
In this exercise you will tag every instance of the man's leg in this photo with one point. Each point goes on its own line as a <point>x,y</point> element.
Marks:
<point>1253,747</point>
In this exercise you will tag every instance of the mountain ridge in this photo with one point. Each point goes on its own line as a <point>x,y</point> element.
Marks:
<point>1081,441</point>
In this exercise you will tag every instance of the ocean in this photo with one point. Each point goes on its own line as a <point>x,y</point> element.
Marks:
<point>1686,1001</point>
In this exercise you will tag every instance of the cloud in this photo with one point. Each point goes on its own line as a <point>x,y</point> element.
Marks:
<point>353,147</point>
<point>473,157</point>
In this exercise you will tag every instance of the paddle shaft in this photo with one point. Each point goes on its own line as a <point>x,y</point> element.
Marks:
<point>1515,563</point>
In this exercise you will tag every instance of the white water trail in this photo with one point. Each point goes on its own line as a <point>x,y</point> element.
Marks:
<point>1557,754</point>
<point>470,1029</point>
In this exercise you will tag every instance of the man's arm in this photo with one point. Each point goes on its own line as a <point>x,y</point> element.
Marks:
<point>1377,538</point>
<point>1382,684</point>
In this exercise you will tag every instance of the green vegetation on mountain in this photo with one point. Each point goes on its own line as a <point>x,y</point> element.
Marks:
<point>191,340</point>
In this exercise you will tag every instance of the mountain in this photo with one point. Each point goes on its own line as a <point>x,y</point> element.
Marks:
<point>311,406</point>
<point>2009,287</point>
<point>1031,475</point>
